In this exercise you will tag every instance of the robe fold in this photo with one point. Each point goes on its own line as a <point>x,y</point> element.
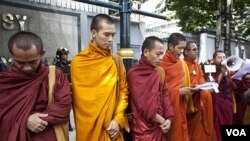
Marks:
<point>94,79</point>
<point>200,123</point>
<point>176,78</point>
<point>223,103</point>
<point>147,100</point>
<point>22,95</point>
<point>241,105</point>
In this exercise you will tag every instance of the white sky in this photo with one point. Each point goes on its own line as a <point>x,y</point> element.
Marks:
<point>150,5</point>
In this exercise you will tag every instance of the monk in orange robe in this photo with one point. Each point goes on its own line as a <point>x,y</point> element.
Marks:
<point>150,105</point>
<point>178,79</point>
<point>24,111</point>
<point>98,109</point>
<point>200,122</point>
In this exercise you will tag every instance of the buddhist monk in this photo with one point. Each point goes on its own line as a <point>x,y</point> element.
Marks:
<point>200,122</point>
<point>150,105</point>
<point>242,108</point>
<point>25,114</point>
<point>98,109</point>
<point>223,102</point>
<point>178,80</point>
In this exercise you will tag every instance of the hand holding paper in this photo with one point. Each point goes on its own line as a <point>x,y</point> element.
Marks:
<point>206,86</point>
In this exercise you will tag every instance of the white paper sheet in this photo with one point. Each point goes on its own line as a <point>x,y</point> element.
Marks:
<point>243,70</point>
<point>206,86</point>
<point>209,68</point>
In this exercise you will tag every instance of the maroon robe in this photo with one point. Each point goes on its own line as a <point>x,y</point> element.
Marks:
<point>22,95</point>
<point>241,105</point>
<point>147,100</point>
<point>223,102</point>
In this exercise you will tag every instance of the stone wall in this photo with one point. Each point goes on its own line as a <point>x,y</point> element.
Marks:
<point>57,26</point>
<point>57,29</point>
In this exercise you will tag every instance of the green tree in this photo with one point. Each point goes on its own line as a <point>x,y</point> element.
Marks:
<point>199,15</point>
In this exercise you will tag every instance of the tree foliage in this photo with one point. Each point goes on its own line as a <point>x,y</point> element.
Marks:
<point>199,15</point>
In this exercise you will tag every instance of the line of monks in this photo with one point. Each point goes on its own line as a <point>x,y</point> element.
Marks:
<point>194,114</point>
<point>160,89</point>
<point>168,110</point>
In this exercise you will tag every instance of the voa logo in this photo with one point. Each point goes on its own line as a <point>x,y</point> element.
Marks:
<point>236,132</point>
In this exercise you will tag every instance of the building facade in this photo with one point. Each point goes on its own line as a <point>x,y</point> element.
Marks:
<point>60,23</point>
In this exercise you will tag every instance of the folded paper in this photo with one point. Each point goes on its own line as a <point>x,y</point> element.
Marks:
<point>243,70</point>
<point>207,85</point>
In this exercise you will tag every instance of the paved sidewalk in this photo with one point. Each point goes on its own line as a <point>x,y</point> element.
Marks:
<point>72,134</point>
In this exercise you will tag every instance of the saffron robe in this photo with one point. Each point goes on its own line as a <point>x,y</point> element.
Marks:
<point>176,78</point>
<point>147,100</point>
<point>200,123</point>
<point>223,102</point>
<point>22,95</point>
<point>94,79</point>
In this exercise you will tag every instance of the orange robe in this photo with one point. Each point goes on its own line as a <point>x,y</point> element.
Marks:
<point>95,102</point>
<point>177,78</point>
<point>200,122</point>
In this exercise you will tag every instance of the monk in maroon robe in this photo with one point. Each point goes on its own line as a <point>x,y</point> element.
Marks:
<point>241,104</point>
<point>223,100</point>
<point>25,114</point>
<point>150,104</point>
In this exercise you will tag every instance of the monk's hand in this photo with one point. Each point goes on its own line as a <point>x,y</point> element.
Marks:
<point>165,126</point>
<point>35,123</point>
<point>113,129</point>
<point>224,70</point>
<point>186,91</point>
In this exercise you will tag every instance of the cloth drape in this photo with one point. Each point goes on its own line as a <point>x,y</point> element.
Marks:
<point>146,100</point>
<point>176,79</point>
<point>22,95</point>
<point>200,123</point>
<point>94,82</point>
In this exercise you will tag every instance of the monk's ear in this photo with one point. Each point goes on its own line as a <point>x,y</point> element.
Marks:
<point>170,47</point>
<point>145,52</point>
<point>212,61</point>
<point>185,52</point>
<point>93,32</point>
<point>42,52</point>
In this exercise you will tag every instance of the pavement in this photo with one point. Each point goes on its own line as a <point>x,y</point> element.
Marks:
<point>72,134</point>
